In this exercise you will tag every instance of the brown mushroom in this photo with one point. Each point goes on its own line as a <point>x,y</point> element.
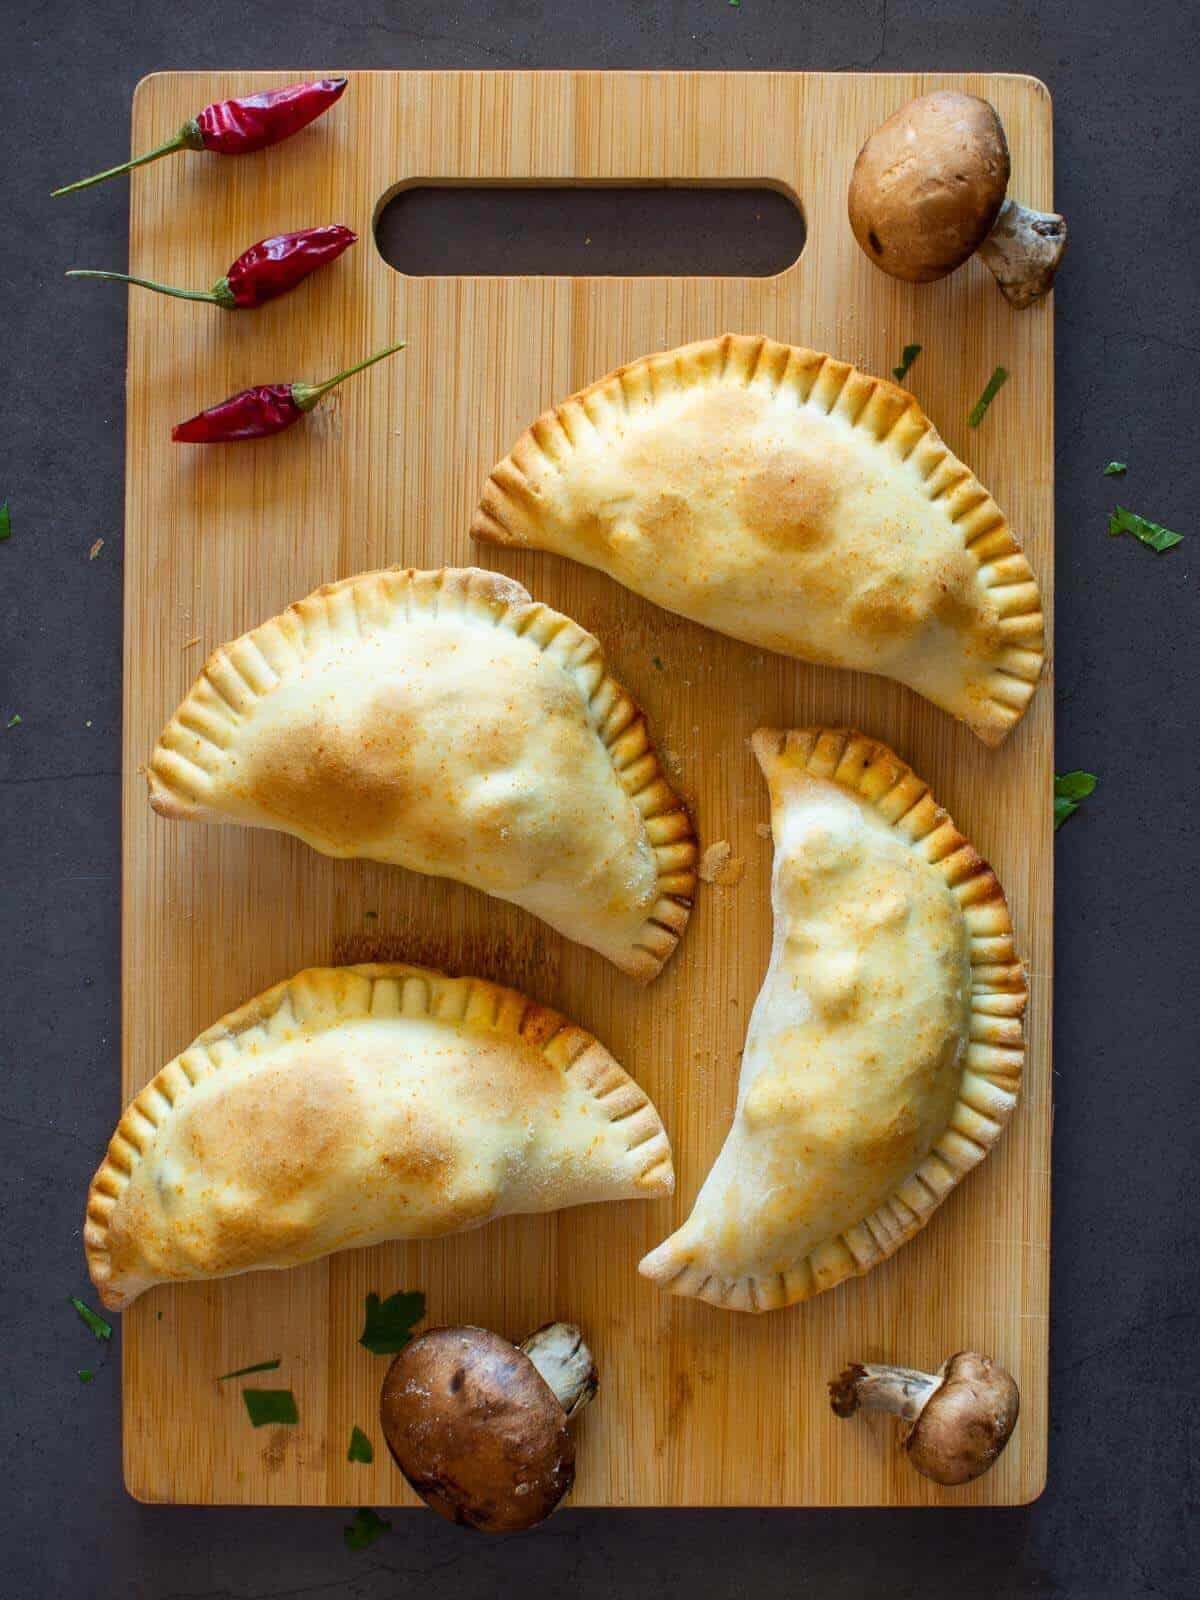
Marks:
<point>479,1427</point>
<point>959,1418</point>
<point>929,189</point>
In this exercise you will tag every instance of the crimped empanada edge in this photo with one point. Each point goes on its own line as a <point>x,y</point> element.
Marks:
<point>510,509</point>
<point>995,1053</point>
<point>190,748</point>
<point>350,994</point>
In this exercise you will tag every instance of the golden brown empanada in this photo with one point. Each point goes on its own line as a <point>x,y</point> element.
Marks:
<point>788,499</point>
<point>885,1048</point>
<point>445,722</point>
<point>356,1104</point>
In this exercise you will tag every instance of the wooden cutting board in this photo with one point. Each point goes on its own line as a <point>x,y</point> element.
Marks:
<point>698,1406</point>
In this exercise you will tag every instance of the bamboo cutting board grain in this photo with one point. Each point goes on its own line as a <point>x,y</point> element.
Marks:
<point>697,1406</point>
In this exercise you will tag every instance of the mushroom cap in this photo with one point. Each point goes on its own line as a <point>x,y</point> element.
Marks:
<point>928,185</point>
<point>476,1431</point>
<point>966,1422</point>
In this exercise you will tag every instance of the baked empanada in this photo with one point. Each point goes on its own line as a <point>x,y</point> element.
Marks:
<point>788,499</point>
<point>885,1048</point>
<point>445,722</point>
<point>355,1104</point>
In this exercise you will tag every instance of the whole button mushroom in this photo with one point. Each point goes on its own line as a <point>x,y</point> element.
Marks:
<point>929,190</point>
<point>959,1419</point>
<point>479,1427</point>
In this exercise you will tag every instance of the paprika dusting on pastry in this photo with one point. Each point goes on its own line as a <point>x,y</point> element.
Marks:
<point>785,498</point>
<point>885,1048</point>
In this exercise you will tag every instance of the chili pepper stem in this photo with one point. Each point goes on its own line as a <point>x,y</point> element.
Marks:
<point>188,138</point>
<point>147,283</point>
<point>306,395</point>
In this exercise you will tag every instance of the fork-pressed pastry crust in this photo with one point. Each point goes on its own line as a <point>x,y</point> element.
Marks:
<point>445,722</point>
<point>786,498</point>
<point>885,1051</point>
<point>350,1105</point>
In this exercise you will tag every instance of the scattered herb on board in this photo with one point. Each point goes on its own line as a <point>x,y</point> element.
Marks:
<point>994,385</point>
<point>270,1405</point>
<point>85,1374</point>
<point>1071,789</point>
<point>15,720</point>
<point>1116,469</point>
<point>371,916</point>
<point>89,1318</point>
<point>361,1448</point>
<point>5,521</point>
<point>907,356</point>
<point>388,1324</point>
<point>365,1529</point>
<point>244,1372</point>
<point>1151,533</point>
<point>658,663</point>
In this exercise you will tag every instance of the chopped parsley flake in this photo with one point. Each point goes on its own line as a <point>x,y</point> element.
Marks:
<point>5,521</point>
<point>1116,469</point>
<point>907,356</point>
<point>1071,789</point>
<point>90,1319</point>
<point>270,1405</point>
<point>365,1529</point>
<point>1151,533</point>
<point>244,1372</point>
<point>994,385</point>
<point>361,1448</point>
<point>389,1323</point>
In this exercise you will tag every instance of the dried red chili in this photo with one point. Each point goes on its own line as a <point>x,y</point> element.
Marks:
<point>268,269</point>
<point>270,408</point>
<point>236,127</point>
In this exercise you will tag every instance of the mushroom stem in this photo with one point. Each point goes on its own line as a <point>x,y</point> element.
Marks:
<point>1023,252</point>
<point>902,1390</point>
<point>564,1363</point>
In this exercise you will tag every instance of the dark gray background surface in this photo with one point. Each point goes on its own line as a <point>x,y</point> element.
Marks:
<point>1119,1516</point>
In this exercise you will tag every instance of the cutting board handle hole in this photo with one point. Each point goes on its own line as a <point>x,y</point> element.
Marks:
<point>590,230</point>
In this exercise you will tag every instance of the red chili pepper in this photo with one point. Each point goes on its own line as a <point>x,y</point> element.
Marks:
<point>268,269</point>
<point>256,413</point>
<point>236,127</point>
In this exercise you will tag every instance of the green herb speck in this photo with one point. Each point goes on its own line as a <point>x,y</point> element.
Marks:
<point>244,1372</point>
<point>86,1374</point>
<point>361,1448</point>
<point>994,385</point>
<point>365,1529</point>
<point>388,1324</point>
<point>1116,469</point>
<point>907,356</point>
<point>1150,533</point>
<point>658,663</point>
<point>1071,789</point>
<point>15,720</point>
<point>5,521</point>
<point>90,1318</point>
<point>270,1405</point>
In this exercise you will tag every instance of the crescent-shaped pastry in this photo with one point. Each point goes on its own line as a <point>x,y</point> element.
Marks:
<point>351,1105</point>
<point>885,1048</point>
<point>788,499</point>
<point>445,722</point>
